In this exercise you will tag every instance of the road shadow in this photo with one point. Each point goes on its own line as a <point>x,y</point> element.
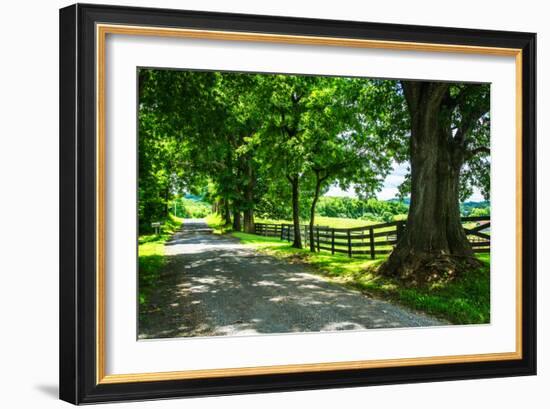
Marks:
<point>214,286</point>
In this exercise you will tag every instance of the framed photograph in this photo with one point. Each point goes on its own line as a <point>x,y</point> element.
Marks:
<point>258,203</point>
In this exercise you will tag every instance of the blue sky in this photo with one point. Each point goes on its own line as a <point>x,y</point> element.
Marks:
<point>391,185</point>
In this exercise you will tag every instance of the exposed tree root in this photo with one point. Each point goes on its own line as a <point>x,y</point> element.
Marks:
<point>418,269</point>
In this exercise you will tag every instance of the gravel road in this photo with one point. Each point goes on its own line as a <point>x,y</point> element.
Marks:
<point>213,285</point>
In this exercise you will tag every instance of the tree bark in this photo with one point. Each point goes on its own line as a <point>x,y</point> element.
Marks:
<point>249,220</point>
<point>236,219</point>
<point>226,212</point>
<point>297,242</point>
<point>434,244</point>
<point>249,198</point>
<point>318,182</point>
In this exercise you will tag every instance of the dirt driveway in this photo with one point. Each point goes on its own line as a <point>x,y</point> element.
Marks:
<point>213,285</point>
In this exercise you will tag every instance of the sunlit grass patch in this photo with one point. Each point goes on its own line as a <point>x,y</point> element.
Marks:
<point>336,222</point>
<point>272,221</point>
<point>215,222</point>
<point>194,208</point>
<point>151,255</point>
<point>262,241</point>
<point>342,222</point>
<point>151,261</point>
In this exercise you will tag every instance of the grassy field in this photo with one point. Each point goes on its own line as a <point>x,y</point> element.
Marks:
<point>215,221</point>
<point>151,255</point>
<point>336,222</point>
<point>463,301</point>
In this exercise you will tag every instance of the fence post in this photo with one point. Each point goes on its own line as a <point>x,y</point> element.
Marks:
<point>371,239</point>
<point>349,243</point>
<point>332,242</point>
<point>282,232</point>
<point>288,233</point>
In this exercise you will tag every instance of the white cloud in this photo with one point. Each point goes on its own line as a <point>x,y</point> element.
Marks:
<point>336,191</point>
<point>390,188</point>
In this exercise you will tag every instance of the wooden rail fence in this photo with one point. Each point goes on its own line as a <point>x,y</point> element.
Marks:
<point>370,240</point>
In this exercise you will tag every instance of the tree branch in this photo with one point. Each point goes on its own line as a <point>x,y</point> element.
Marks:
<point>481,149</point>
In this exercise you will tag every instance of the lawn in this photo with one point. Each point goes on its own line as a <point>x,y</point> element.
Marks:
<point>336,222</point>
<point>151,256</point>
<point>463,301</point>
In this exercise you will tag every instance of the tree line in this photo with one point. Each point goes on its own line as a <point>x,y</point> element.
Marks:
<point>274,144</point>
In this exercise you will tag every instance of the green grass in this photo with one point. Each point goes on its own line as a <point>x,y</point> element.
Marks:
<point>215,221</point>
<point>193,208</point>
<point>462,301</point>
<point>151,256</point>
<point>342,222</point>
<point>336,222</point>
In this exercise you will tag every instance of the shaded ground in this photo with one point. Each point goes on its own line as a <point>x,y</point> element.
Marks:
<point>213,285</point>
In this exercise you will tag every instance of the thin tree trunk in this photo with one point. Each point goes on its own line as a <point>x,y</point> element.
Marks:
<point>297,243</point>
<point>226,212</point>
<point>249,198</point>
<point>318,182</point>
<point>236,219</point>
<point>166,201</point>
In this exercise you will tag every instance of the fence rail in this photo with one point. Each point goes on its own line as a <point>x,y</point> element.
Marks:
<point>370,240</point>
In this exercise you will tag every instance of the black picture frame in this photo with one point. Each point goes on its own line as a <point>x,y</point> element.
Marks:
<point>78,198</point>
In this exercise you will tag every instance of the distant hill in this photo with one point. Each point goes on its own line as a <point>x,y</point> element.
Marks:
<point>195,198</point>
<point>406,201</point>
<point>476,208</point>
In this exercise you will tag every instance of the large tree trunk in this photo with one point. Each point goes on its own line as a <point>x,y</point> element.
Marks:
<point>249,198</point>
<point>249,220</point>
<point>434,244</point>
<point>297,243</point>
<point>312,214</point>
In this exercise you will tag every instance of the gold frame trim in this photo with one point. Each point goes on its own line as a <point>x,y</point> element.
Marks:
<point>101,32</point>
